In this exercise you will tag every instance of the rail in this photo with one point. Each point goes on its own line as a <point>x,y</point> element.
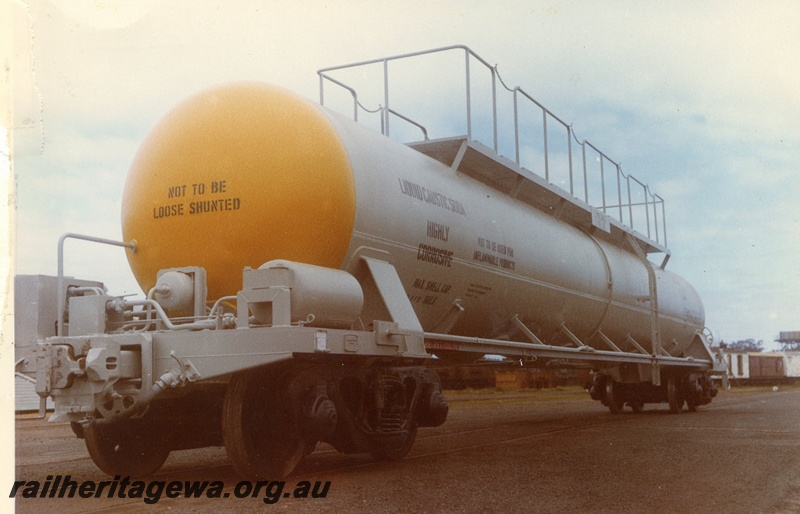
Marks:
<point>621,196</point>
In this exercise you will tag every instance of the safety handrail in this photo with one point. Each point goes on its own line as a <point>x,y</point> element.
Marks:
<point>610,203</point>
<point>409,120</point>
<point>62,293</point>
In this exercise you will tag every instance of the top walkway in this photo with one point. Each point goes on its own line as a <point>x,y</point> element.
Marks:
<point>595,196</point>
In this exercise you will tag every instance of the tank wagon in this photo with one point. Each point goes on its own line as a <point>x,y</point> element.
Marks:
<point>302,271</point>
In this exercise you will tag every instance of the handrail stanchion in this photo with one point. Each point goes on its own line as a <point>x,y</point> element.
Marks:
<point>664,220</point>
<point>516,126</point>
<point>630,200</point>
<point>546,156</point>
<point>494,109</point>
<point>603,181</point>
<point>469,99</point>
<point>386,95</point>
<point>655,214</point>
<point>585,178</point>
<point>569,150</point>
<point>646,208</point>
<point>619,194</point>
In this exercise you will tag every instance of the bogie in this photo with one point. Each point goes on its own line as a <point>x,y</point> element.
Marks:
<point>677,390</point>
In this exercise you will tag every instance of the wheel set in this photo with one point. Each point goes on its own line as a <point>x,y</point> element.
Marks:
<point>269,418</point>
<point>677,390</point>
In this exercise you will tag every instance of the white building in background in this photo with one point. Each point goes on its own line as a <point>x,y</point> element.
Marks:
<point>762,366</point>
<point>792,364</point>
<point>25,397</point>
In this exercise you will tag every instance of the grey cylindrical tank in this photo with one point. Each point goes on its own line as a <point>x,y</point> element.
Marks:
<point>293,181</point>
<point>453,238</point>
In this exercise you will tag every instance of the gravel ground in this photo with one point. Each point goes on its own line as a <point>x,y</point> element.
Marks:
<point>541,451</point>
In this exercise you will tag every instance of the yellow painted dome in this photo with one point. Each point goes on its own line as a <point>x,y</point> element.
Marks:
<point>237,176</point>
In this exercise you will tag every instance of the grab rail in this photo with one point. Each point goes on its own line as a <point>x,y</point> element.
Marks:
<point>636,193</point>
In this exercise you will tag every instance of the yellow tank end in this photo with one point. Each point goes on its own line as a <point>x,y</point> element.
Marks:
<point>237,176</point>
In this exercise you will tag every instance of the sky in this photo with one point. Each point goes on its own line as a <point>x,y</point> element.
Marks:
<point>700,100</point>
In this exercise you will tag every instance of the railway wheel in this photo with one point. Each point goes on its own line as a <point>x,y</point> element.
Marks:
<point>693,394</point>
<point>257,427</point>
<point>396,451</point>
<point>134,448</point>
<point>614,399</point>
<point>674,395</point>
